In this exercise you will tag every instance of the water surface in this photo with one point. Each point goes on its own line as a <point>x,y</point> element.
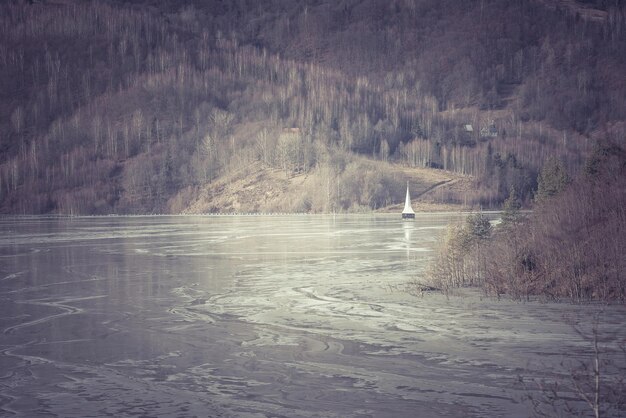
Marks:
<point>295,316</point>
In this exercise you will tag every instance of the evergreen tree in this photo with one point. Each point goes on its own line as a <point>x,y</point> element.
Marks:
<point>478,226</point>
<point>512,205</point>
<point>552,180</point>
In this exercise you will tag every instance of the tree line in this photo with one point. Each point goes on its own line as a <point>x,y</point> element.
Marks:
<point>115,107</point>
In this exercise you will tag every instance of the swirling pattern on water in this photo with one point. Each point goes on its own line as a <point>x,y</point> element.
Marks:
<point>263,316</point>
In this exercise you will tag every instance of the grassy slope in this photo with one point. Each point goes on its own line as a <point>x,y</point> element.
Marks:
<point>260,189</point>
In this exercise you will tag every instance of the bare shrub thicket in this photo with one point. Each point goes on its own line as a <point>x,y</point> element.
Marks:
<point>461,257</point>
<point>571,247</point>
<point>574,243</point>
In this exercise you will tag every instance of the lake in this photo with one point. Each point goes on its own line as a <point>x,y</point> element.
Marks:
<point>270,316</point>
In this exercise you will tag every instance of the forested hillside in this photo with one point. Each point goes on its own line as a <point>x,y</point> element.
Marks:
<point>139,106</point>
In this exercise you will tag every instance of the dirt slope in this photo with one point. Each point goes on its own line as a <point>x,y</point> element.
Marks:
<point>261,189</point>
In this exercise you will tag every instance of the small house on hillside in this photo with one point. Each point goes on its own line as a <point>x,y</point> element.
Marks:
<point>489,131</point>
<point>465,136</point>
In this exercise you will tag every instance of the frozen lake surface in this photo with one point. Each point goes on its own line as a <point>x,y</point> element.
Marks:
<point>295,316</point>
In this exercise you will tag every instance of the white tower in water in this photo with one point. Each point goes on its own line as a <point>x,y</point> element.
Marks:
<point>408,212</point>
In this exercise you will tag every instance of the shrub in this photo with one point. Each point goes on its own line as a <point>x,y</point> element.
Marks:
<point>460,258</point>
<point>573,245</point>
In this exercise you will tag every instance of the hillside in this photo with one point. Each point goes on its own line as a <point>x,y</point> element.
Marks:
<point>262,189</point>
<point>149,106</point>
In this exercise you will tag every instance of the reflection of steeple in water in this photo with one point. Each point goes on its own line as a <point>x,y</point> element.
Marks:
<point>408,229</point>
